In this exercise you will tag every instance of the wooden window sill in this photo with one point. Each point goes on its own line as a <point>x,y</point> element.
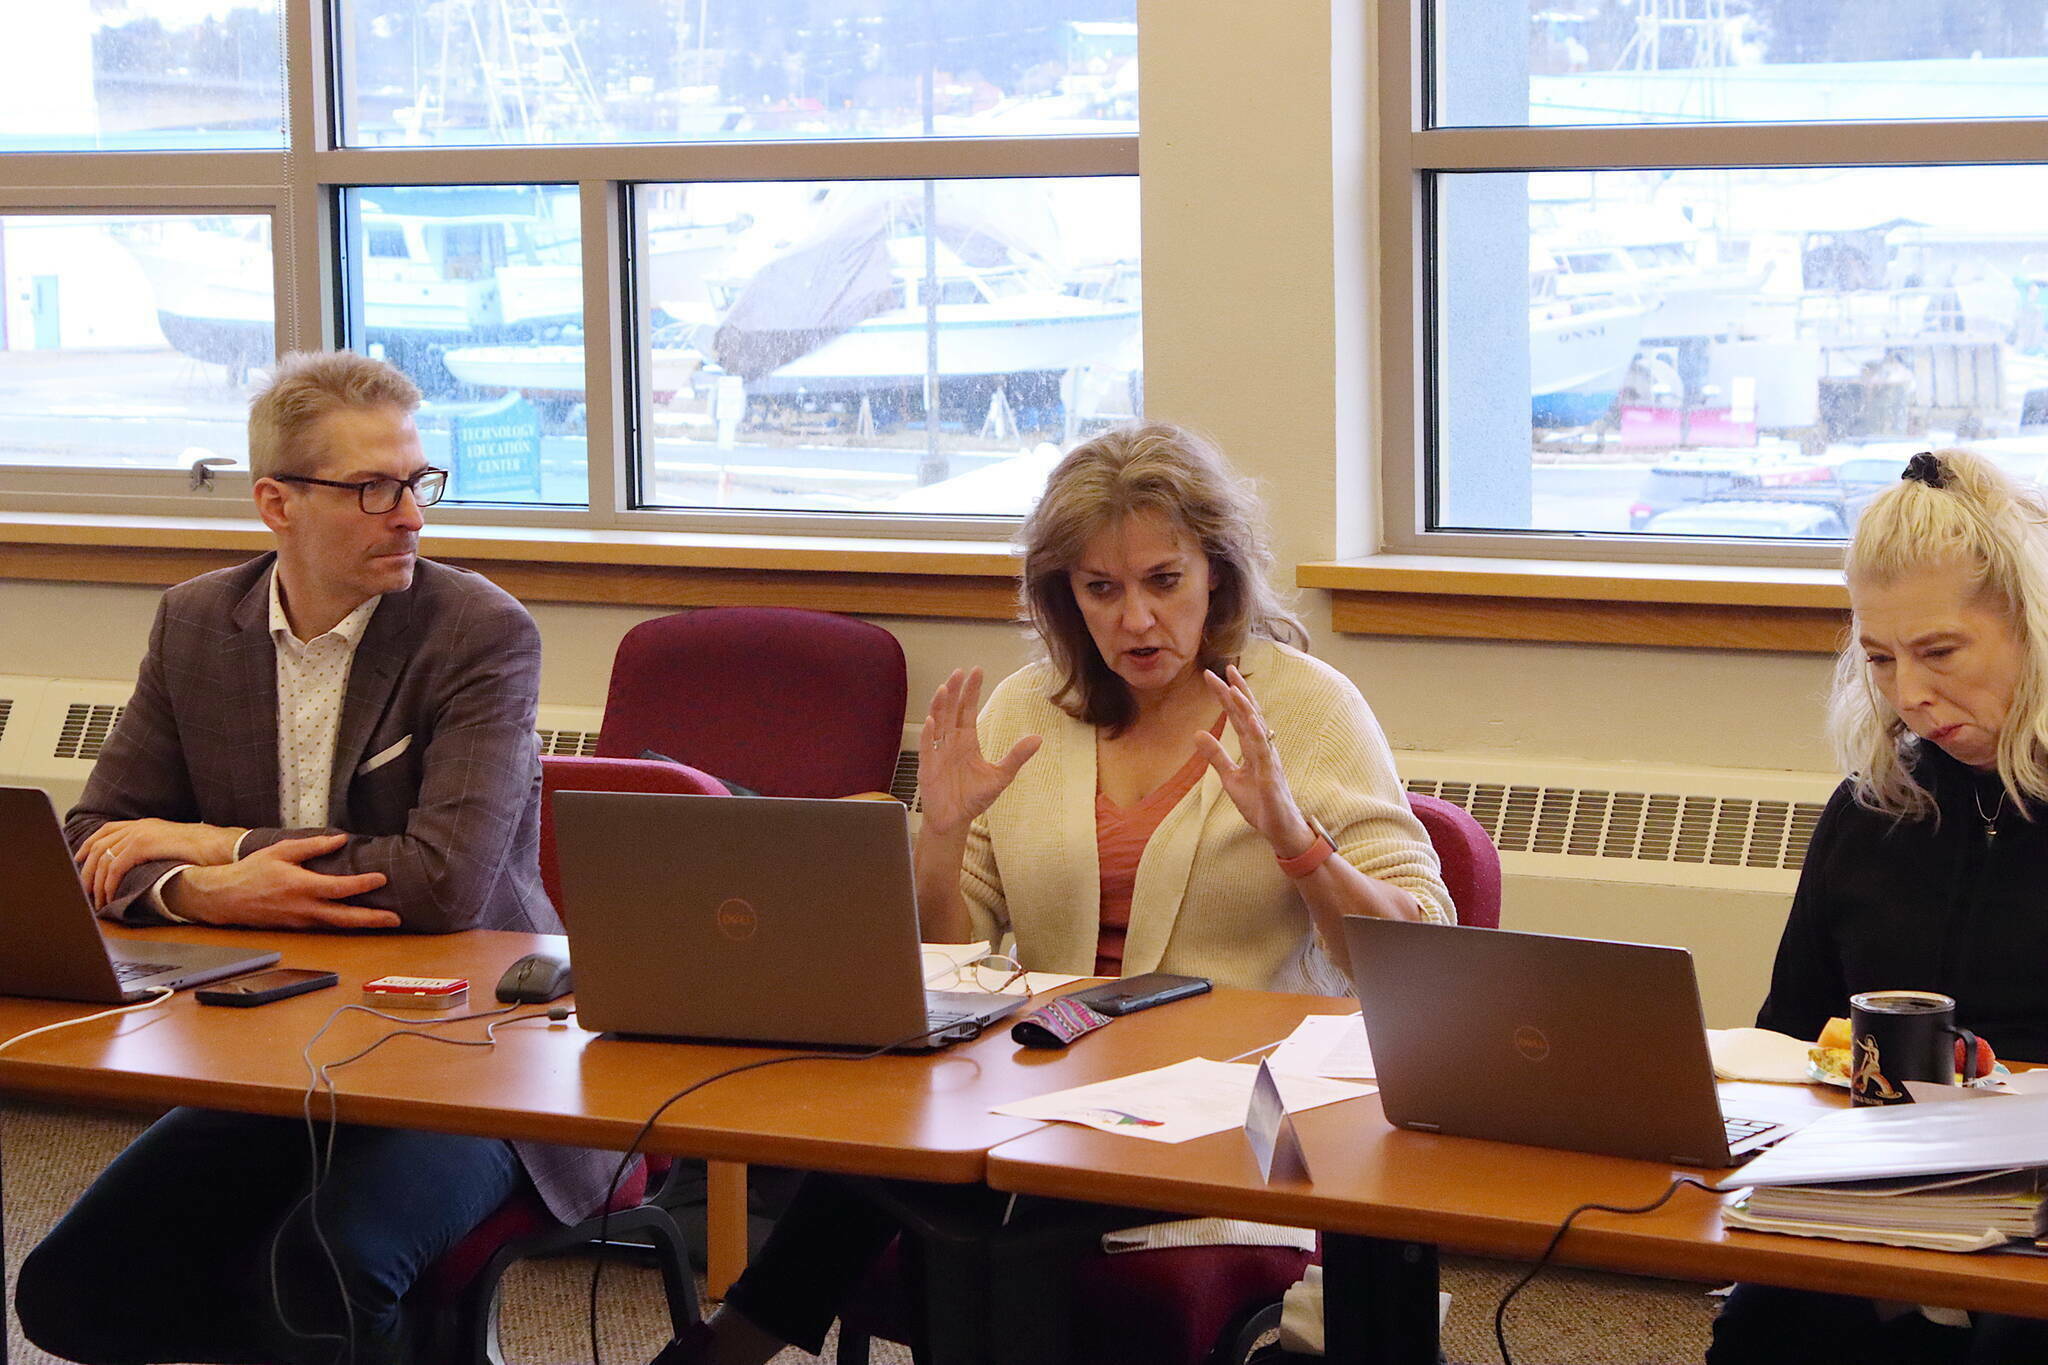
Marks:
<point>1687,606</point>
<point>631,568</point>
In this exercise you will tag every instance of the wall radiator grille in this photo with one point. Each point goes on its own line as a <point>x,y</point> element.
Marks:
<point>6,710</point>
<point>568,743</point>
<point>85,729</point>
<point>903,783</point>
<point>1641,826</point>
<point>1724,831</point>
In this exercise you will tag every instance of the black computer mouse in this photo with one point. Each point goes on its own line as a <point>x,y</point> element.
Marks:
<point>534,980</point>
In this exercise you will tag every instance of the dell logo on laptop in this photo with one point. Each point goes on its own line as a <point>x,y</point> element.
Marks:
<point>737,919</point>
<point>1530,1042</point>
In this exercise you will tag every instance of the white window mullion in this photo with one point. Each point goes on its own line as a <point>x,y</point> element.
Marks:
<point>303,250</point>
<point>1656,146</point>
<point>610,391</point>
<point>841,159</point>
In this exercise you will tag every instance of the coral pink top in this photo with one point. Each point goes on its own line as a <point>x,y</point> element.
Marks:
<point>1120,839</point>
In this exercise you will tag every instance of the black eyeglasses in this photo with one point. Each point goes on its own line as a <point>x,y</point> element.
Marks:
<point>380,495</point>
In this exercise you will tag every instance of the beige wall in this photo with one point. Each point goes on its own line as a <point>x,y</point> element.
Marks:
<point>1244,221</point>
<point>1690,707</point>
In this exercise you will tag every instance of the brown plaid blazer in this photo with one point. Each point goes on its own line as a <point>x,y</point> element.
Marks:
<point>436,768</point>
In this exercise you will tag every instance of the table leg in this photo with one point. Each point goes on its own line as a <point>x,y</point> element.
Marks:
<point>1379,1301</point>
<point>725,1226</point>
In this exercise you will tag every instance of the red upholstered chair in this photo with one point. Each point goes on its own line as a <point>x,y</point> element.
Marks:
<point>562,773</point>
<point>461,1288</point>
<point>783,701</point>
<point>1471,864</point>
<point>1188,1305</point>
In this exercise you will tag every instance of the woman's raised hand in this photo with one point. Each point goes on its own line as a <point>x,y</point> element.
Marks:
<point>1255,783</point>
<point>954,782</point>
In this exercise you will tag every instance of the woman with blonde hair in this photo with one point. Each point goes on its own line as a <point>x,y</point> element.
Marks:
<point>1927,868</point>
<point>1174,786</point>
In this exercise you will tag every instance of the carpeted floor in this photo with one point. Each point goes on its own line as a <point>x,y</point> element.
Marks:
<point>1566,1317</point>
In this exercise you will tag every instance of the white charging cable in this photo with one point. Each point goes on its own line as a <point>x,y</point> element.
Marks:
<point>163,993</point>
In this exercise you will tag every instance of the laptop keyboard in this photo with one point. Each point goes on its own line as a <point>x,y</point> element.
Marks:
<point>943,1009</point>
<point>127,969</point>
<point>1740,1130</point>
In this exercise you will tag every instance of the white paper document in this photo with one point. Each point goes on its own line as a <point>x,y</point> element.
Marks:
<point>2033,1082</point>
<point>1189,1099</point>
<point>1331,1045</point>
<point>1757,1054</point>
<point>1934,1092</point>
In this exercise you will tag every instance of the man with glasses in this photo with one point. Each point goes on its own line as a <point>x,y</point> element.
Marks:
<point>336,735</point>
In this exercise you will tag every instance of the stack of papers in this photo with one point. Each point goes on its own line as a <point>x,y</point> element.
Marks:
<point>1969,1212</point>
<point>1950,1177</point>
<point>1993,1133</point>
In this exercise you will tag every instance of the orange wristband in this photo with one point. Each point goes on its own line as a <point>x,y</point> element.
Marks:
<point>1310,858</point>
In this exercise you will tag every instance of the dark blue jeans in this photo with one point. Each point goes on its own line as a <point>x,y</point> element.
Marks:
<point>1765,1325</point>
<point>168,1257</point>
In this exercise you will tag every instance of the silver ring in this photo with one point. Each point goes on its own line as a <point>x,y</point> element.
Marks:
<point>1271,738</point>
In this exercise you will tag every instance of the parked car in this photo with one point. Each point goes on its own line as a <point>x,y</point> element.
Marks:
<point>1734,474</point>
<point>1781,517</point>
<point>1875,471</point>
<point>1872,473</point>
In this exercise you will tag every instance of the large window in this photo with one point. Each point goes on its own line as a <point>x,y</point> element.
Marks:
<point>883,346</point>
<point>144,75</point>
<point>596,71</point>
<point>702,264</point>
<point>1667,275</point>
<point>127,341</point>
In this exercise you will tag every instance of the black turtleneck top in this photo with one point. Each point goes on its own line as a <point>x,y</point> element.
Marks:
<point>1957,904</point>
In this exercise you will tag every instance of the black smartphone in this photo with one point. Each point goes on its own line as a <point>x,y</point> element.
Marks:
<point>260,988</point>
<point>1134,993</point>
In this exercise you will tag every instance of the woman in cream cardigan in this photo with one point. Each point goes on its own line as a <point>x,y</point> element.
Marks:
<point>1173,778</point>
<point>1174,787</point>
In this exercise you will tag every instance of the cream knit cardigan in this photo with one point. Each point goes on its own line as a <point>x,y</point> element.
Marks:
<point>1210,899</point>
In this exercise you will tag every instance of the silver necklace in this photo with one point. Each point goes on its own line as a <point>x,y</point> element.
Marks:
<point>1990,820</point>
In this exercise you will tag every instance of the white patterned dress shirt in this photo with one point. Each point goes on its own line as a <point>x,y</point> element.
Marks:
<point>312,681</point>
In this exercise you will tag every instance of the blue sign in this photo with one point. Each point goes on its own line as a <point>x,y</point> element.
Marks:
<point>497,449</point>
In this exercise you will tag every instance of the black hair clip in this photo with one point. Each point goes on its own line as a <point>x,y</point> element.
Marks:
<point>1925,468</point>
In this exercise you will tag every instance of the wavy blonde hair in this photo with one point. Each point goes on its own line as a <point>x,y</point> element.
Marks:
<point>1182,475</point>
<point>1997,530</point>
<point>306,387</point>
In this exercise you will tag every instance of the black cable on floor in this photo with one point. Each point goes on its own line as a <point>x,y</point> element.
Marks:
<point>1500,1311</point>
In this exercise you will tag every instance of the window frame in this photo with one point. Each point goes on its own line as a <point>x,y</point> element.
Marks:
<point>1410,152</point>
<point>300,187</point>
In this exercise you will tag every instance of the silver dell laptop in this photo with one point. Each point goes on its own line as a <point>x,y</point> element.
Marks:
<point>1576,1043</point>
<point>751,919</point>
<point>50,944</point>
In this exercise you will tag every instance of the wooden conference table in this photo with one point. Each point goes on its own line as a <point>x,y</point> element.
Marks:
<point>924,1117</point>
<point>1389,1199</point>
